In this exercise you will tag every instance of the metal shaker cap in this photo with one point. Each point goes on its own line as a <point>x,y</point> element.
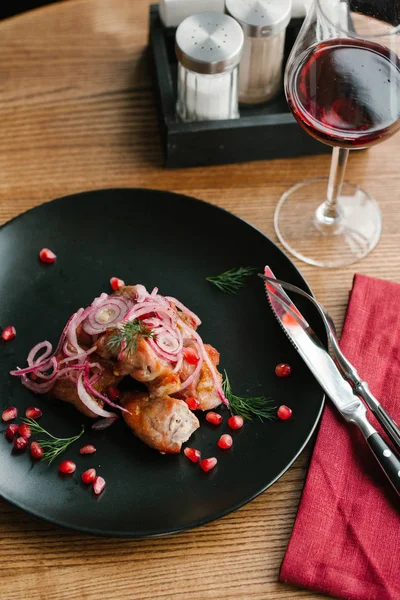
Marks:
<point>209,43</point>
<point>261,18</point>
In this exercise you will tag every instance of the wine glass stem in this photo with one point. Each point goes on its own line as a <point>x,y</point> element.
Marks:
<point>329,211</point>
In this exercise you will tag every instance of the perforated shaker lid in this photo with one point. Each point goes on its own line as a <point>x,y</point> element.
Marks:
<point>209,43</point>
<point>261,18</point>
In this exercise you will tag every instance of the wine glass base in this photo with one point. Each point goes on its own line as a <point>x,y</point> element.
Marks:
<point>304,232</point>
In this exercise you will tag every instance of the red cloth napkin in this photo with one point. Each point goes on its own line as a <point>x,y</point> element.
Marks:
<point>346,538</point>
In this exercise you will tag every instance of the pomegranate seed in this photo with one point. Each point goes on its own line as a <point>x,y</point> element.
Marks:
<point>9,414</point>
<point>192,403</point>
<point>33,413</point>
<point>235,422</point>
<point>191,356</point>
<point>99,484</point>
<point>116,283</point>
<point>36,450</point>
<point>214,418</point>
<point>8,333</point>
<point>20,443</point>
<point>192,454</point>
<point>283,370</point>
<point>47,256</point>
<point>11,431</point>
<point>113,393</point>
<point>284,412</point>
<point>208,463</point>
<point>25,431</point>
<point>89,476</point>
<point>225,441</point>
<point>67,466</point>
<point>89,449</point>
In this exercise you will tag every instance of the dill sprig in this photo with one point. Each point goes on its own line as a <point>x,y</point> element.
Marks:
<point>128,336</point>
<point>248,408</point>
<point>53,446</point>
<point>231,281</point>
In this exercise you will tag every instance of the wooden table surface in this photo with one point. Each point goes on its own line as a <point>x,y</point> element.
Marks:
<point>77,113</point>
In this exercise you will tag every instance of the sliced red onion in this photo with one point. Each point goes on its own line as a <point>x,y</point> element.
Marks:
<point>33,359</point>
<point>72,346</point>
<point>144,308</point>
<point>88,400</point>
<point>94,378</point>
<point>184,309</point>
<point>35,369</point>
<point>104,423</point>
<point>122,349</point>
<point>168,342</point>
<point>79,358</point>
<point>63,335</point>
<point>169,357</point>
<point>38,347</point>
<point>54,365</point>
<point>178,364</point>
<point>154,292</point>
<point>203,354</point>
<point>48,381</point>
<point>67,352</point>
<point>140,292</point>
<point>99,300</point>
<point>107,314</point>
<point>195,373</point>
<point>34,386</point>
<point>89,387</point>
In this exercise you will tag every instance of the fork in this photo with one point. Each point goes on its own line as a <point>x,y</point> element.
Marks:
<point>348,371</point>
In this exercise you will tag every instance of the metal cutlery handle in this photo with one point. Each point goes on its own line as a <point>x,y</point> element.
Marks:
<point>390,426</point>
<point>361,389</point>
<point>388,460</point>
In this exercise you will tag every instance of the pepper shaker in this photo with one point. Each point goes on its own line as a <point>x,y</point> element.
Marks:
<point>208,47</point>
<point>264,23</point>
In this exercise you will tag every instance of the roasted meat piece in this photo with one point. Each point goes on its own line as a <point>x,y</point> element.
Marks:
<point>161,423</point>
<point>144,364</point>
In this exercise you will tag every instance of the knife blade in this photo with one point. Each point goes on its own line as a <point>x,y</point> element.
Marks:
<point>328,376</point>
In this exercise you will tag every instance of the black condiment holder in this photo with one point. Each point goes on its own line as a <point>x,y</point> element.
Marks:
<point>262,132</point>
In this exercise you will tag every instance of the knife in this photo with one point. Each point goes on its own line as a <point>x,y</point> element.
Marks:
<point>328,376</point>
<point>347,370</point>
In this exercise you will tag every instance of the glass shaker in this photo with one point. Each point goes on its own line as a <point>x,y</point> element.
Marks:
<point>264,24</point>
<point>173,12</point>
<point>208,47</point>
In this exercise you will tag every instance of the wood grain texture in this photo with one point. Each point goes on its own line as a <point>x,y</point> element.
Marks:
<point>77,113</point>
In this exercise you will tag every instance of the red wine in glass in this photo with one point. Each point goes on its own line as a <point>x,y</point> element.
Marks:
<point>345,92</point>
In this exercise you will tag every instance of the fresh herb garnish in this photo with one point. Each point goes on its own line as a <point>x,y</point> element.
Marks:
<point>248,408</point>
<point>231,281</point>
<point>128,336</point>
<point>54,446</point>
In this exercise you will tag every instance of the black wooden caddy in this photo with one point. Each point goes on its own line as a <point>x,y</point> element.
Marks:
<point>262,132</point>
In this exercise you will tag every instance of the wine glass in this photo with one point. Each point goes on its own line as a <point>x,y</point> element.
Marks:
<point>342,83</point>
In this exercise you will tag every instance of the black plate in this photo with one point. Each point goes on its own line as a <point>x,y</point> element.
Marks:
<point>173,242</point>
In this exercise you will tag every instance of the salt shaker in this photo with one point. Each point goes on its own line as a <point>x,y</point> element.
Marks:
<point>208,47</point>
<point>264,24</point>
<point>299,8</point>
<point>173,12</point>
